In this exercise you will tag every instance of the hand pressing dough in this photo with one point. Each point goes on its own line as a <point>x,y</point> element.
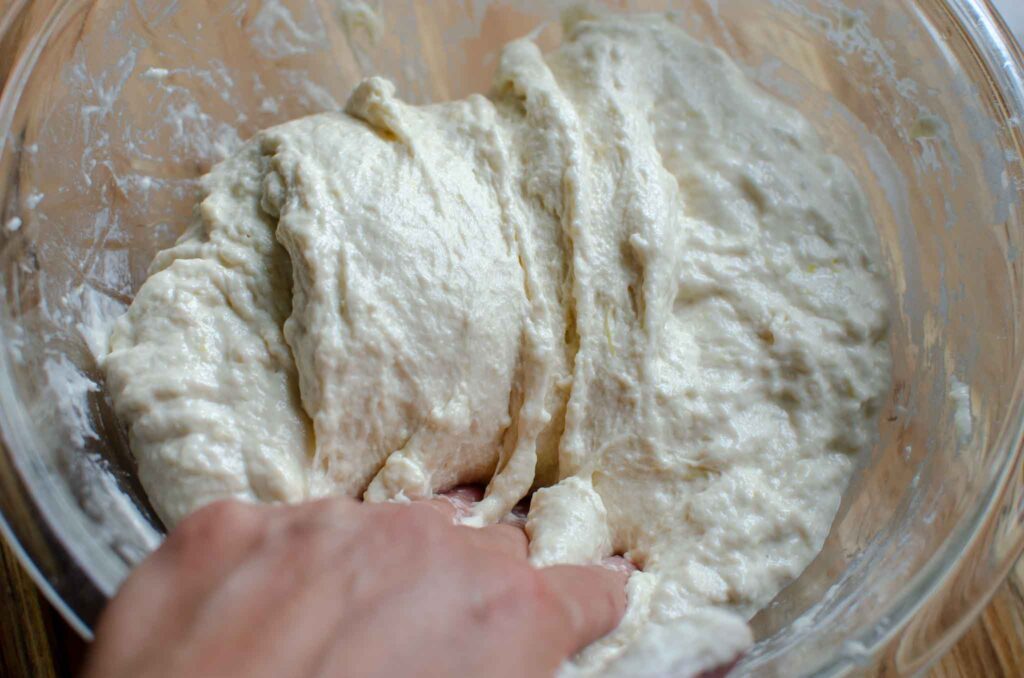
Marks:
<point>628,277</point>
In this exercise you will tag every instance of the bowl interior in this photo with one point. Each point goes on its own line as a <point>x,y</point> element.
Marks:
<point>113,110</point>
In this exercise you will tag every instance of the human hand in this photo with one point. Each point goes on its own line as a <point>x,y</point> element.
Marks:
<point>341,588</point>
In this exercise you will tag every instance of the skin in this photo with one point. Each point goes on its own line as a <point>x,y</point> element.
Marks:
<point>342,588</point>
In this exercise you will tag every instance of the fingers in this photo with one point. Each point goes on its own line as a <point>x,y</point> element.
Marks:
<point>508,540</point>
<point>455,504</point>
<point>619,564</point>
<point>330,513</point>
<point>592,599</point>
<point>443,505</point>
<point>469,494</point>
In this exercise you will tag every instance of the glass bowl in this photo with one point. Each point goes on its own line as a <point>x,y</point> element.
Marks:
<point>111,110</point>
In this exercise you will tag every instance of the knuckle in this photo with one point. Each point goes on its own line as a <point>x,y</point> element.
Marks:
<point>523,598</point>
<point>213,523</point>
<point>302,535</point>
<point>416,521</point>
<point>227,514</point>
<point>537,592</point>
<point>525,592</point>
<point>513,536</point>
<point>552,606</point>
<point>225,511</point>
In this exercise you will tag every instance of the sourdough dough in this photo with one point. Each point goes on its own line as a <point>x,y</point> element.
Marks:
<point>627,277</point>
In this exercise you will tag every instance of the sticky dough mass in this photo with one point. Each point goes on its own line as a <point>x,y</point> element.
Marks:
<point>627,277</point>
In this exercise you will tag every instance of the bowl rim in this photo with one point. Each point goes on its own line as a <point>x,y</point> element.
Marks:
<point>1001,56</point>
<point>11,87</point>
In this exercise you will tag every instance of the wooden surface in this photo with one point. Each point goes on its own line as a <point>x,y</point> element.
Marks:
<point>35,642</point>
<point>994,646</point>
